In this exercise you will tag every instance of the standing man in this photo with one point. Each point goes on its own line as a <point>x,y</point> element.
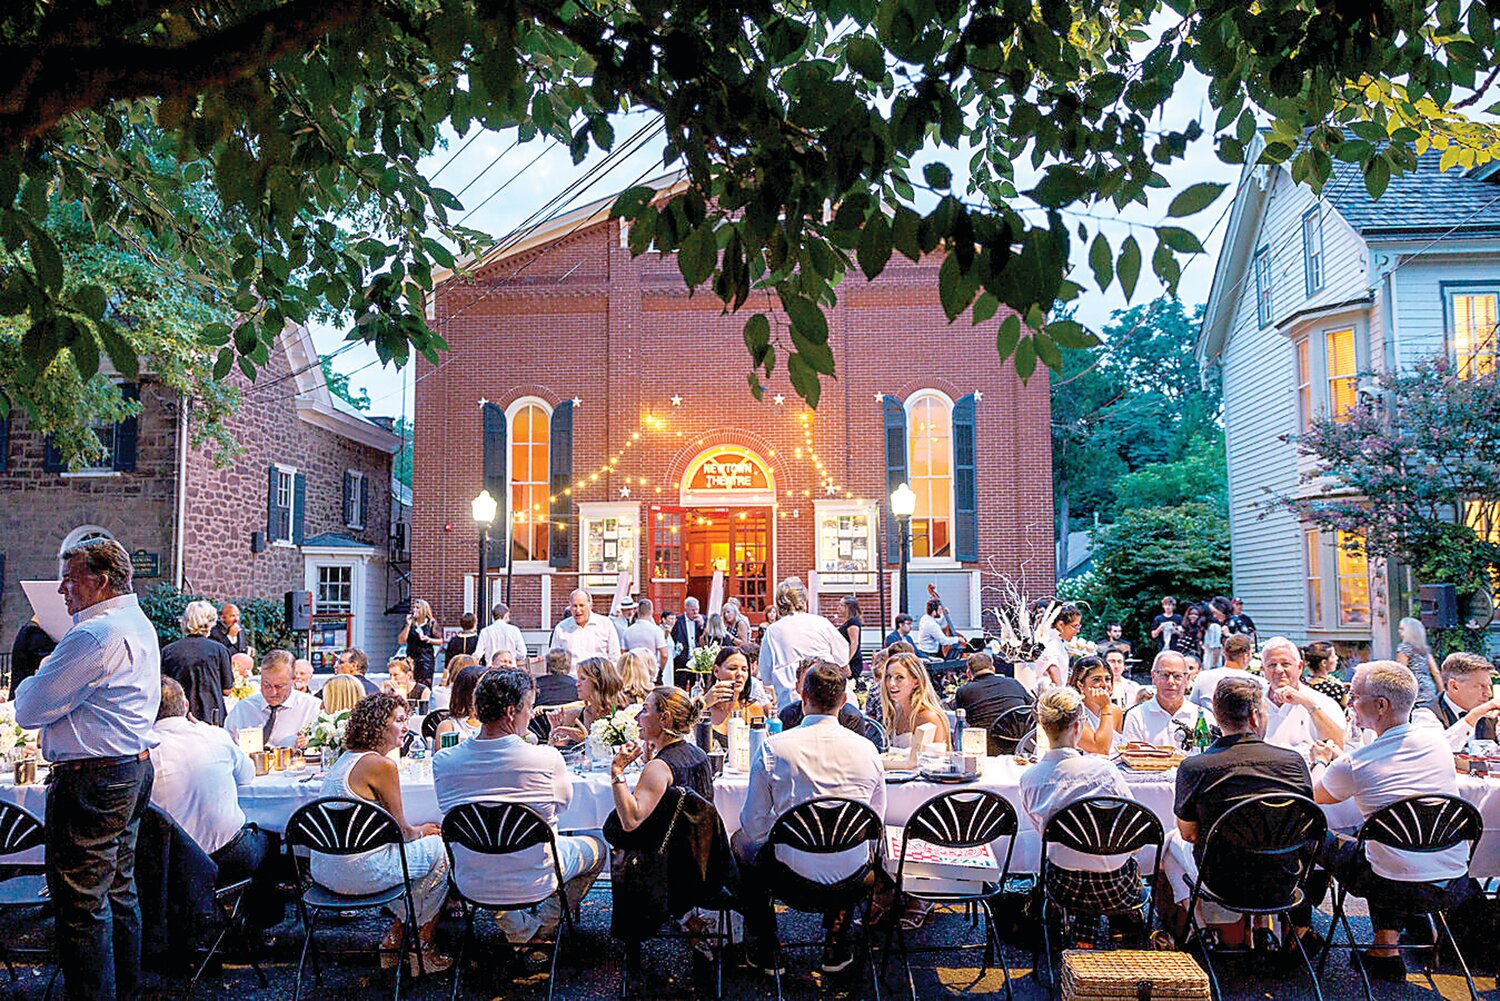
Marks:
<point>687,634</point>
<point>645,634</point>
<point>1240,623</point>
<point>796,634</point>
<point>1168,719</point>
<point>622,617</point>
<point>584,634</point>
<point>95,701</point>
<point>1114,636</point>
<point>1298,716</point>
<point>278,709</point>
<point>500,635</point>
<point>229,631</point>
<point>1167,627</point>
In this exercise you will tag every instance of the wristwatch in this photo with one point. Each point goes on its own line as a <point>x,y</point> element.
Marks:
<point>617,780</point>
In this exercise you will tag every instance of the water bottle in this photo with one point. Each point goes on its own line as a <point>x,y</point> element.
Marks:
<point>773,726</point>
<point>417,755</point>
<point>960,720</point>
<point>703,732</point>
<point>757,738</point>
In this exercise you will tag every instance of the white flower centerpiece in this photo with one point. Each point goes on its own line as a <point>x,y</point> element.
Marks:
<point>326,735</point>
<point>611,733</point>
<point>701,666</point>
<point>15,740</point>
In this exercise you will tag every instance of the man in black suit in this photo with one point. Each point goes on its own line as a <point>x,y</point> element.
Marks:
<point>687,635</point>
<point>1467,708</point>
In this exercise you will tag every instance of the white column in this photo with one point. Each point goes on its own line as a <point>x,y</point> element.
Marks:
<point>546,616</point>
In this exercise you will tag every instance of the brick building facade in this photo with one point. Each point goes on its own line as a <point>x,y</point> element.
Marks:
<point>220,532</point>
<point>607,411</point>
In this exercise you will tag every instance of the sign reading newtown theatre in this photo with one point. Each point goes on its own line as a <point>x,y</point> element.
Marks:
<point>728,470</point>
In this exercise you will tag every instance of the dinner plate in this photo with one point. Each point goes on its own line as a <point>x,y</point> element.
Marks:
<point>895,775</point>
<point>951,778</point>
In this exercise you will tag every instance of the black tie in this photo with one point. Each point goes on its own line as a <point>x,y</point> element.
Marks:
<point>270,724</point>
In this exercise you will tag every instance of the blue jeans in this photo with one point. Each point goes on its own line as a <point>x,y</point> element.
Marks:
<point>93,814</point>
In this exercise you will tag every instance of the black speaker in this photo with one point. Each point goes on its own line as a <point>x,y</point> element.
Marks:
<point>257,542</point>
<point>1439,605</point>
<point>299,611</point>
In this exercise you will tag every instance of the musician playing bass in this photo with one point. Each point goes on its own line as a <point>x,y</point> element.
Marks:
<point>933,640</point>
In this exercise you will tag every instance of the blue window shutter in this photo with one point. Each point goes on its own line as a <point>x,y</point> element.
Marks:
<point>895,471</point>
<point>271,535</point>
<point>122,457</point>
<point>4,443</point>
<point>348,498</point>
<point>364,502</point>
<point>495,456</point>
<point>559,551</point>
<point>299,506</point>
<point>965,492</point>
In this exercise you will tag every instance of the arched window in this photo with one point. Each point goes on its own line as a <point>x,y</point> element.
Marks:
<point>530,458</point>
<point>929,438</point>
<point>83,533</point>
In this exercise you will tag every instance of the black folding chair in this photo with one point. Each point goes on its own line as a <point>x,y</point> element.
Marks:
<point>228,899</point>
<point>1424,824</point>
<point>1256,860</point>
<point>874,733</point>
<point>1099,825</point>
<point>963,818</point>
<point>1007,730</point>
<point>1026,746</point>
<point>826,825</point>
<point>430,724</point>
<point>498,829</point>
<point>24,886</point>
<point>341,826</point>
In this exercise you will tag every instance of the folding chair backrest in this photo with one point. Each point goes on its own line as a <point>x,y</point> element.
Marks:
<point>963,818</point>
<point>1011,727</point>
<point>827,825</point>
<point>1259,851</point>
<point>1104,825</point>
<point>20,830</point>
<point>875,733</point>
<point>339,825</point>
<point>496,828</point>
<point>1026,746</point>
<point>1425,824</point>
<point>431,722</point>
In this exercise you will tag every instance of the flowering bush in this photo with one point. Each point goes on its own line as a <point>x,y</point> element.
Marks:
<point>327,730</point>
<point>615,730</point>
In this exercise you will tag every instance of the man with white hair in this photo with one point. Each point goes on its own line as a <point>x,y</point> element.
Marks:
<point>199,664</point>
<point>796,634</point>
<point>584,634</point>
<point>687,634</point>
<point>500,635</point>
<point>1167,719</point>
<point>1298,716</point>
<point>1403,760</point>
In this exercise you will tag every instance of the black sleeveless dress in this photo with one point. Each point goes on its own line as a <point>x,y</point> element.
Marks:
<point>690,767</point>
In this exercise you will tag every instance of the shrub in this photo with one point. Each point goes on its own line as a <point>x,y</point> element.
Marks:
<point>263,618</point>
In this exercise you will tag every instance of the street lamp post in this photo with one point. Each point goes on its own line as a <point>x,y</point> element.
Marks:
<point>903,504</point>
<point>483,508</point>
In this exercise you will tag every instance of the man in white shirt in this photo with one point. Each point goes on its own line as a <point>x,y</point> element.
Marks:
<point>645,634</point>
<point>278,710</point>
<point>1237,651</point>
<point>1298,716</point>
<point>1167,719</point>
<point>1111,884</point>
<point>1467,708</point>
<point>1403,760</point>
<point>817,758</point>
<point>498,766</point>
<point>931,640</point>
<point>796,634</point>
<point>199,772</point>
<point>500,635</point>
<point>584,634</point>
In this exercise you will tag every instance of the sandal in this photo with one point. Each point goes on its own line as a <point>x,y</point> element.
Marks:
<point>916,915</point>
<point>432,962</point>
<point>390,947</point>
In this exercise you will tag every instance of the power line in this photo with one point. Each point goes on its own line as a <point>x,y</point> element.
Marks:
<point>449,162</point>
<point>498,157</point>
<point>492,194</point>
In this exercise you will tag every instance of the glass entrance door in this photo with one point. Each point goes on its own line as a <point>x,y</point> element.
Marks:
<point>667,583</point>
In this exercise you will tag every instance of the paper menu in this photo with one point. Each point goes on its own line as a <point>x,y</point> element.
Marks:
<point>50,608</point>
<point>924,859</point>
<point>250,739</point>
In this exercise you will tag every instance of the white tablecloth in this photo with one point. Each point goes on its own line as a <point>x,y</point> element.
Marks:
<point>270,800</point>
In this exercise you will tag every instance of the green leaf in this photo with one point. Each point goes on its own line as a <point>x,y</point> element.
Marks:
<point>698,255</point>
<point>874,245</point>
<point>1046,350</point>
<point>1071,335</point>
<point>955,289</point>
<point>121,353</point>
<point>1061,186</point>
<point>1025,359</point>
<point>1101,261</point>
<point>984,307</point>
<point>45,257</point>
<point>629,203</point>
<point>91,301</point>
<point>807,318</point>
<point>1008,336</point>
<point>865,57</point>
<point>1195,199</point>
<point>1180,240</point>
<point>1128,267</point>
<point>1377,176</point>
<point>85,351</point>
<point>938,176</point>
<point>757,337</point>
<point>904,230</point>
<point>804,380</point>
<point>223,364</point>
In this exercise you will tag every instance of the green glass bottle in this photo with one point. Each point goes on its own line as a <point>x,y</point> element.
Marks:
<point>1201,737</point>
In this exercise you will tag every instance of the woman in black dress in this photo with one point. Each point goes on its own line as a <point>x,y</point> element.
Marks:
<point>672,760</point>
<point>467,640</point>
<point>851,629</point>
<point>420,634</point>
<point>199,664</point>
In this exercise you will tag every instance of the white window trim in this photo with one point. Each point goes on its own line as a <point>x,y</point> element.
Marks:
<point>628,512</point>
<point>835,508</point>
<point>1314,215</point>
<point>1265,303</point>
<point>81,533</point>
<point>1450,316</point>
<point>1328,576</point>
<point>91,474</point>
<point>358,580</point>
<point>523,566</point>
<point>359,522</point>
<point>936,562</point>
<point>291,523</point>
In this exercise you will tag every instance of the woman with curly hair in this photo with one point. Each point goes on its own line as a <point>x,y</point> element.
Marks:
<point>377,726</point>
<point>600,689</point>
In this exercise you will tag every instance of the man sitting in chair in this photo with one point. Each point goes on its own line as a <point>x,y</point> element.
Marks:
<point>932,642</point>
<point>817,758</point>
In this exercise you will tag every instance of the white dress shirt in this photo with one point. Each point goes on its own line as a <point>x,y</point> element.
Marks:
<point>1207,682</point>
<point>1150,723</point>
<point>930,636</point>
<point>595,638</point>
<point>96,696</point>
<point>499,636</point>
<point>643,634</point>
<point>297,711</point>
<point>1054,652</point>
<point>1457,735</point>
<point>199,771</point>
<point>503,770</point>
<point>791,638</point>
<point>1404,761</point>
<point>1291,725</point>
<point>818,758</point>
<point>1061,777</point>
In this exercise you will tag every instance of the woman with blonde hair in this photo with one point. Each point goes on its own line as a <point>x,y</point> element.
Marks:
<point>199,664</point>
<point>735,623</point>
<point>600,692</point>
<point>637,675</point>
<point>1415,655</point>
<point>403,681</point>
<point>341,692</point>
<point>716,631</point>
<point>422,638</point>
<point>907,700</point>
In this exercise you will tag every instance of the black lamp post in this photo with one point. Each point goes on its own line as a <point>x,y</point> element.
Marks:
<point>483,508</point>
<point>903,504</point>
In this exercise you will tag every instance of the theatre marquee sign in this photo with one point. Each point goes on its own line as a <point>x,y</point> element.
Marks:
<point>728,475</point>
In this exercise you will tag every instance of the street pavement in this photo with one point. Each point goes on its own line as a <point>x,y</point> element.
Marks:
<point>591,962</point>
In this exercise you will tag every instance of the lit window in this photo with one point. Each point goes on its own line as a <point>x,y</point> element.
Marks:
<point>929,435</point>
<point>1474,318</point>
<point>1304,384</point>
<point>1312,248</point>
<point>530,452</point>
<point>1342,373</point>
<point>336,590</point>
<point>1484,518</point>
<point>1314,544</point>
<point>1263,286</point>
<point>1353,579</point>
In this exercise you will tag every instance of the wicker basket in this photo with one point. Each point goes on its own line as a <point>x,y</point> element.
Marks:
<point>1132,975</point>
<point>1151,762</point>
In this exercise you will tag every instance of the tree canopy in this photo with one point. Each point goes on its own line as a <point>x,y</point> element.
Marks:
<point>797,124</point>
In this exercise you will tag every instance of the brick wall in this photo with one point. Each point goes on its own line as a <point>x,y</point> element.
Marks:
<point>581,318</point>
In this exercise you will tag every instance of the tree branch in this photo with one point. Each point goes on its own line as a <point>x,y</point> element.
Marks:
<point>1479,92</point>
<point>49,82</point>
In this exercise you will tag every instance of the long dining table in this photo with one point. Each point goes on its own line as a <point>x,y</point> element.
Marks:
<point>270,800</point>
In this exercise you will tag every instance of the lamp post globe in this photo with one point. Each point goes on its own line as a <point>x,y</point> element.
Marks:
<point>483,508</point>
<point>903,503</point>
